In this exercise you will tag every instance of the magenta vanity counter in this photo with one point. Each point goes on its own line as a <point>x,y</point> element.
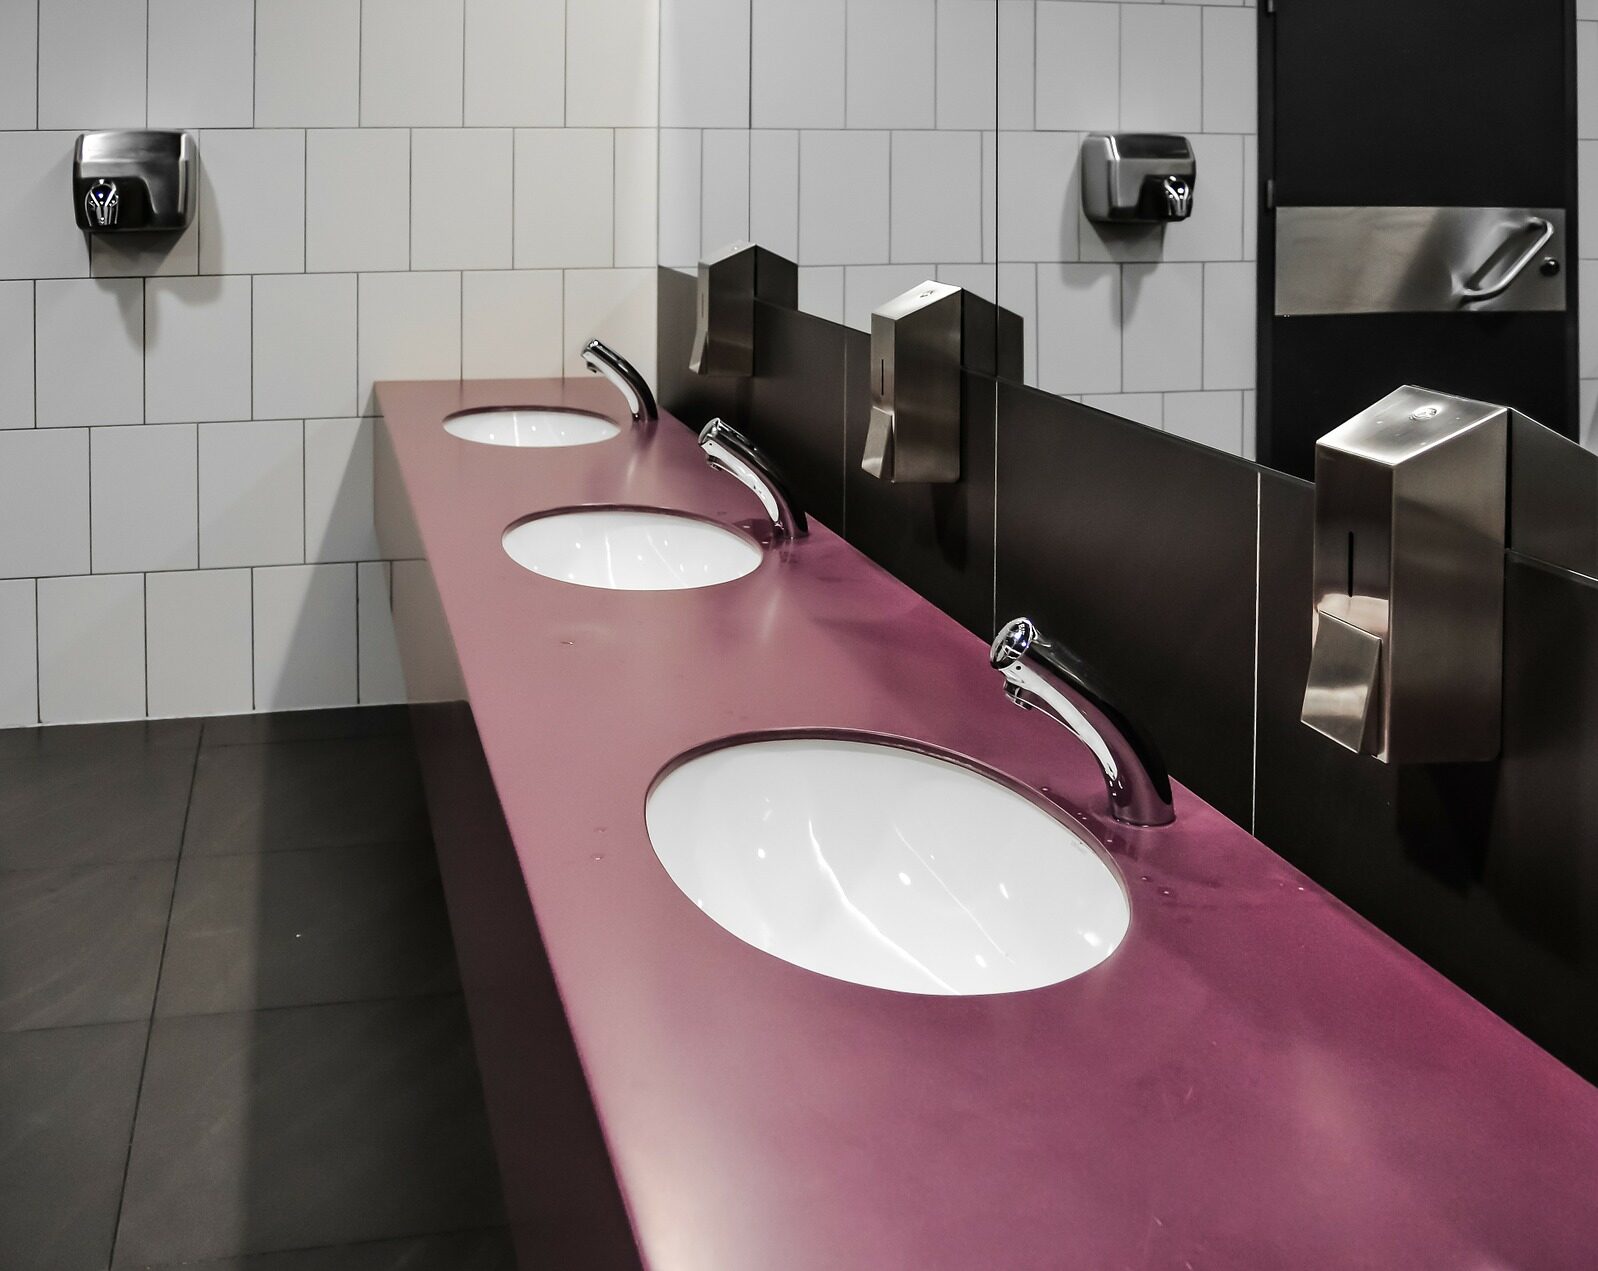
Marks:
<point>1255,1079</point>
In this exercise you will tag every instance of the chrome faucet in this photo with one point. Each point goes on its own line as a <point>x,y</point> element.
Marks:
<point>729,451</point>
<point>601,359</point>
<point>1041,676</point>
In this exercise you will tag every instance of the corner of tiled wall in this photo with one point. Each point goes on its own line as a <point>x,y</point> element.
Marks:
<point>186,427</point>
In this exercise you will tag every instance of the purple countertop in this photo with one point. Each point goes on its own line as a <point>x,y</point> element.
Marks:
<point>1256,1078</point>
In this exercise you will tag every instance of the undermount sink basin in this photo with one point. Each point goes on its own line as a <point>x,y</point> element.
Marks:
<point>884,866</point>
<point>631,549</point>
<point>525,426</point>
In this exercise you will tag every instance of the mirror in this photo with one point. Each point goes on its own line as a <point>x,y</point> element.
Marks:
<point>1362,216</point>
<point>864,147</point>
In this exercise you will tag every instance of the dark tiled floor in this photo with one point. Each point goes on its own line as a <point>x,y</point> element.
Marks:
<point>231,1032</point>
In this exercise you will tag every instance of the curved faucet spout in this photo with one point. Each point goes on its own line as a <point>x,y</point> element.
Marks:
<point>1042,676</point>
<point>601,359</point>
<point>729,451</point>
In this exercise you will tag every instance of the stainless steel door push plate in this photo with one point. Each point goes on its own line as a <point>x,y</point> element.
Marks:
<point>1410,511</point>
<point>133,180</point>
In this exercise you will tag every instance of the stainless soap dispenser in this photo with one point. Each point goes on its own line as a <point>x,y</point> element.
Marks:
<point>922,342</point>
<point>729,284</point>
<point>1410,508</point>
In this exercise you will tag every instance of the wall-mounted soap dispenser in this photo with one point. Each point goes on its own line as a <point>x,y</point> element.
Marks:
<point>1410,507</point>
<point>921,344</point>
<point>133,180</point>
<point>729,284</point>
<point>1137,178</point>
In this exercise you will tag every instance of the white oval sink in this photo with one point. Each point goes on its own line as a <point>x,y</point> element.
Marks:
<point>522,426</point>
<point>871,863</point>
<point>630,549</point>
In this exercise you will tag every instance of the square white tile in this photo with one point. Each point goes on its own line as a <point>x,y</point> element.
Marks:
<point>616,306</point>
<point>91,64</point>
<point>44,502</point>
<point>774,191</point>
<point>511,324</point>
<point>968,87</point>
<point>798,64</point>
<point>637,196</point>
<point>16,355</point>
<point>1078,66</point>
<point>19,67</point>
<point>1017,64</point>
<point>821,291</point>
<point>252,201</point>
<point>1164,315</point>
<point>843,198</point>
<point>201,63</point>
<point>1211,419</point>
<point>565,182</point>
<point>19,680</point>
<point>305,638</point>
<point>197,349</point>
<point>381,677</point>
<point>1251,197</point>
<point>942,171</point>
<point>1229,296</point>
<point>726,190</point>
<point>304,340</point>
<point>613,64</point>
<point>681,180</point>
<point>1079,328</point>
<point>91,648</point>
<point>143,485</point>
<point>704,63</point>
<point>197,627</point>
<point>95,323</point>
<point>348,228</point>
<point>1587,304</point>
<point>1040,195</point>
<point>461,198</point>
<point>516,63</point>
<point>1161,88</point>
<point>412,53</point>
<point>41,239</point>
<point>252,493</point>
<point>307,63</point>
<point>1231,71</point>
<point>409,328</point>
<point>338,490</point>
<point>892,62</point>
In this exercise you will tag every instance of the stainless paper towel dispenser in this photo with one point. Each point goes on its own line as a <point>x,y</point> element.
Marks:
<point>729,284</point>
<point>1410,508</point>
<point>1137,177</point>
<point>133,180</point>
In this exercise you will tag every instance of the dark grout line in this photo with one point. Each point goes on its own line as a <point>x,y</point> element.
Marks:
<point>441,996</point>
<point>144,1060</point>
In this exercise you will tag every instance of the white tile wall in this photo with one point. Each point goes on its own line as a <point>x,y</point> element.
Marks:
<point>198,641</point>
<point>91,648</point>
<point>143,498</point>
<point>704,63</point>
<point>387,189</point>
<point>798,58</point>
<point>891,60</point>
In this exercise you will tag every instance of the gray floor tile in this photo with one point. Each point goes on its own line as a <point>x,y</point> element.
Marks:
<point>287,795</point>
<point>81,945</point>
<point>466,1251</point>
<point>66,1112</point>
<point>352,721</point>
<point>333,924</point>
<point>307,1127</point>
<point>95,805</point>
